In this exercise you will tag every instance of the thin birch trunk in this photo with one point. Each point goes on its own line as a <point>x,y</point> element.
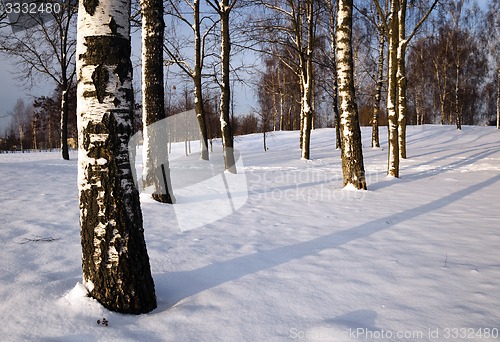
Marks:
<point>351,151</point>
<point>392,110</point>
<point>64,117</point>
<point>403,42</point>
<point>458,114</point>
<point>401,78</point>
<point>335,105</point>
<point>498,98</point>
<point>225,97</point>
<point>197,78</point>
<point>307,81</point>
<point>378,89</point>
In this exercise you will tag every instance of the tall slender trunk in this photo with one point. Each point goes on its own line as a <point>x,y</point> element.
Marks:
<point>458,112</point>
<point>392,110</point>
<point>34,129</point>
<point>282,108</point>
<point>50,132</point>
<point>442,98</point>
<point>418,106</point>
<point>378,88</point>
<point>156,171</point>
<point>225,97</point>
<point>306,76</point>
<point>351,151</point>
<point>66,79</point>
<point>197,77</point>
<point>401,78</point>
<point>333,47</point>
<point>115,263</point>
<point>498,98</point>
<point>64,116</point>
<point>21,137</point>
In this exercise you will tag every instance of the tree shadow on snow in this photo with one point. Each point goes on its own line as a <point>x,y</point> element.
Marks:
<point>359,319</point>
<point>172,288</point>
<point>456,164</point>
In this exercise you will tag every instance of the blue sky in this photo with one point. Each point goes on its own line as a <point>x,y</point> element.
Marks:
<point>11,91</point>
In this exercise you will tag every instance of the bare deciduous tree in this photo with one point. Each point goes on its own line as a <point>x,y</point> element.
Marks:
<point>223,9</point>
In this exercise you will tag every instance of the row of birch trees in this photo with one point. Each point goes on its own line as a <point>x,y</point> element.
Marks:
<point>116,267</point>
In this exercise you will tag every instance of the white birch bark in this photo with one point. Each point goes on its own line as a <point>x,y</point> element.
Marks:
<point>401,78</point>
<point>351,150</point>
<point>378,89</point>
<point>498,98</point>
<point>224,8</point>
<point>307,81</point>
<point>392,115</point>
<point>116,269</point>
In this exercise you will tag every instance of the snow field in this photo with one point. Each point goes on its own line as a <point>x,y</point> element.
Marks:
<point>411,259</point>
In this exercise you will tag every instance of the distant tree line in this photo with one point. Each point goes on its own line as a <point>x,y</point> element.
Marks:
<point>450,73</point>
<point>35,125</point>
<point>452,70</point>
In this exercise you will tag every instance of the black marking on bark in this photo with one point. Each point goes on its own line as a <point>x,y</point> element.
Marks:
<point>107,50</point>
<point>123,70</point>
<point>113,26</point>
<point>116,102</point>
<point>100,77</point>
<point>90,6</point>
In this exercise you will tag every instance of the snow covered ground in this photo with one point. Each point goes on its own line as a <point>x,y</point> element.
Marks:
<point>411,259</point>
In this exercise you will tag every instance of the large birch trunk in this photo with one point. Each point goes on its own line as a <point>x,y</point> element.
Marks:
<point>225,97</point>
<point>116,270</point>
<point>351,151</point>
<point>392,115</point>
<point>156,170</point>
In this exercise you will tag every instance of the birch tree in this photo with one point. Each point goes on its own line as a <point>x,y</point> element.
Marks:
<point>498,98</point>
<point>332,14</point>
<point>20,121</point>
<point>156,171</point>
<point>306,78</point>
<point>351,150</point>
<point>380,84</point>
<point>397,82</point>
<point>223,9</point>
<point>116,270</point>
<point>403,41</point>
<point>194,70</point>
<point>392,109</point>
<point>292,24</point>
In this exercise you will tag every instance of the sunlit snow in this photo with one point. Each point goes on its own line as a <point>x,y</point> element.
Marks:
<point>302,260</point>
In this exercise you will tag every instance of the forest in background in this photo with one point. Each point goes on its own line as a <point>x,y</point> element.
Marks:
<point>452,69</point>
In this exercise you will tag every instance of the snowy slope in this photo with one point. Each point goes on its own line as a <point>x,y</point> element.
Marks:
<point>415,258</point>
